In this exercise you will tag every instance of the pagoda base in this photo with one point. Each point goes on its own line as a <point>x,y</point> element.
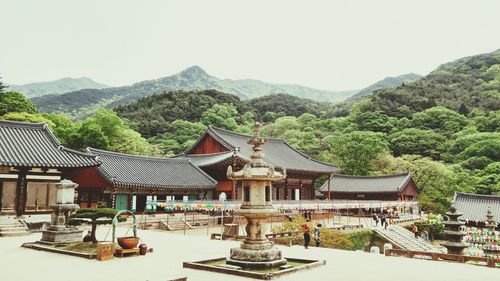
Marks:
<point>454,248</point>
<point>61,235</point>
<point>262,258</point>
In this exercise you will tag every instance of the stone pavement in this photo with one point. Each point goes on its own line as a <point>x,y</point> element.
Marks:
<point>171,249</point>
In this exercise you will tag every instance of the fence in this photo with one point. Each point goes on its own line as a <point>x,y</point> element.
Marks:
<point>441,256</point>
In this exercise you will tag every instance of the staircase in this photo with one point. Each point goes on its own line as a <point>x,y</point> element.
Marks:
<point>12,227</point>
<point>405,239</point>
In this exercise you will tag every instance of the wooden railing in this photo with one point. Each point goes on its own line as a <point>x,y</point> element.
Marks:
<point>277,238</point>
<point>347,227</point>
<point>441,256</point>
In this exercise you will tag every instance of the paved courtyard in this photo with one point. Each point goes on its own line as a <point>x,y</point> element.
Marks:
<point>171,249</point>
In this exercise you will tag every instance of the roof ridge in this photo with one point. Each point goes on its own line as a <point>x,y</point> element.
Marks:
<point>20,124</point>
<point>308,157</point>
<point>241,134</point>
<point>478,195</point>
<point>62,147</point>
<point>371,177</point>
<point>124,155</point>
<point>208,154</point>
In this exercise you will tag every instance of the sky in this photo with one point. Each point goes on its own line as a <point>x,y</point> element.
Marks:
<point>333,45</point>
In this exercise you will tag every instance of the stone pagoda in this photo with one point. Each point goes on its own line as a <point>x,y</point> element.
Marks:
<point>58,231</point>
<point>454,236</point>
<point>256,251</point>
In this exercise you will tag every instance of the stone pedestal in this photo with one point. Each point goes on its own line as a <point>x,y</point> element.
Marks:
<point>256,251</point>
<point>58,231</point>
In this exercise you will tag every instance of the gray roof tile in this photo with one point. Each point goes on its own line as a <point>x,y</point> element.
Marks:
<point>123,170</point>
<point>475,206</point>
<point>386,183</point>
<point>277,152</point>
<point>33,145</point>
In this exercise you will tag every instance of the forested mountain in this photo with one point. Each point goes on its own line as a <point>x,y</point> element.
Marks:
<point>79,103</point>
<point>388,82</point>
<point>462,85</point>
<point>56,87</point>
<point>152,115</point>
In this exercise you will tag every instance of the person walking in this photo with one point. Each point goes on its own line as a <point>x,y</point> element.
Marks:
<point>414,229</point>
<point>383,220</point>
<point>425,234</point>
<point>317,234</point>
<point>307,236</point>
<point>375,218</point>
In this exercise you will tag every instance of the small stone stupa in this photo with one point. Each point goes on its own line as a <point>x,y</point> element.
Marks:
<point>453,234</point>
<point>256,251</point>
<point>491,248</point>
<point>58,231</point>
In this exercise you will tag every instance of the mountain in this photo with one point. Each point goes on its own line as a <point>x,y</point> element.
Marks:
<point>388,82</point>
<point>462,85</point>
<point>82,102</point>
<point>56,87</point>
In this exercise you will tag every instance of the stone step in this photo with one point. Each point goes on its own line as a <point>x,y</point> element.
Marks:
<point>9,222</point>
<point>7,229</point>
<point>13,233</point>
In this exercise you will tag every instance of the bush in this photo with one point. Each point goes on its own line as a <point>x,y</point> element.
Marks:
<point>353,240</point>
<point>360,238</point>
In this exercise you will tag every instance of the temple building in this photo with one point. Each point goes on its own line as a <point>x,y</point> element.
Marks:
<point>31,161</point>
<point>218,148</point>
<point>474,207</point>
<point>125,181</point>
<point>396,187</point>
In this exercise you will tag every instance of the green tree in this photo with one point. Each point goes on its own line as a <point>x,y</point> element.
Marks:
<point>89,134</point>
<point>439,118</point>
<point>486,148</point>
<point>15,102</point>
<point>375,121</point>
<point>94,217</point>
<point>356,151</point>
<point>2,87</point>
<point>221,115</point>
<point>416,141</point>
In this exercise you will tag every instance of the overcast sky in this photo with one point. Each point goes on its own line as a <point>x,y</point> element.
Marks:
<point>334,45</point>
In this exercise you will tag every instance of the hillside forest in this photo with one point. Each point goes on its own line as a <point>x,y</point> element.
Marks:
<point>443,127</point>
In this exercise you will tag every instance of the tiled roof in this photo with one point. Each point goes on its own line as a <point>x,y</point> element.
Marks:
<point>33,145</point>
<point>475,206</point>
<point>367,184</point>
<point>123,170</point>
<point>202,160</point>
<point>276,152</point>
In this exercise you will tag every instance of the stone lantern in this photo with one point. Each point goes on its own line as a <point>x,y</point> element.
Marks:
<point>58,231</point>
<point>256,251</point>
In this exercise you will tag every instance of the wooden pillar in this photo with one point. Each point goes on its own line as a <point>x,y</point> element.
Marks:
<point>129,200</point>
<point>285,196</point>
<point>329,190</point>
<point>1,194</point>
<point>21,189</point>
<point>233,191</point>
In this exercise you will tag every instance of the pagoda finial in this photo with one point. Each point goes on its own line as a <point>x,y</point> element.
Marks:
<point>256,129</point>
<point>256,143</point>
